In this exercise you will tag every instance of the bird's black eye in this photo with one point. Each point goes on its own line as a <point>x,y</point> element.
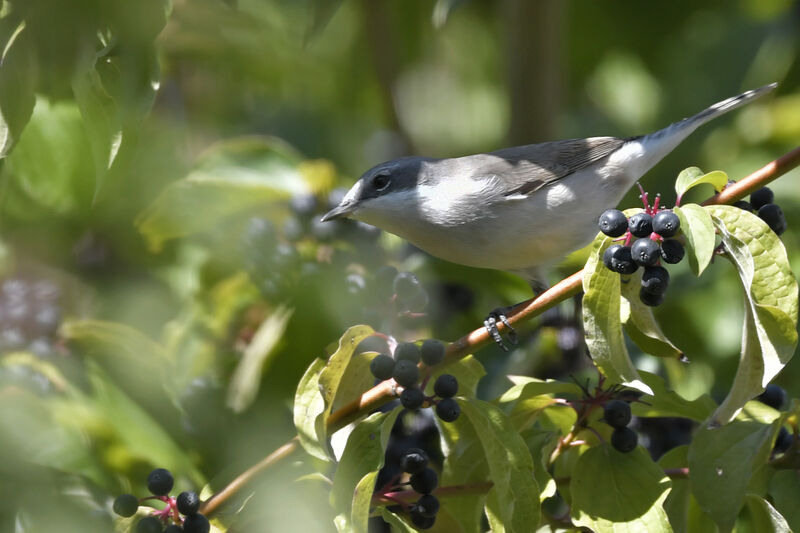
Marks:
<point>381,181</point>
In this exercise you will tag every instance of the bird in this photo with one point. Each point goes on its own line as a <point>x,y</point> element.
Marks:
<point>518,209</point>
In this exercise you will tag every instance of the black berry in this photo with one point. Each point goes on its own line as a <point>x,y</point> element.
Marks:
<point>173,528</point>
<point>774,396</point>
<point>382,366</point>
<point>648,298</point>
<point>624,439</point>
<point>428,505</point>
<point>608,256</point>
<point>126,505</point>
<point>196,523</point>
<point>783,440</point>
<point>672,251</point>
<point>406,373</point>
<point>613,223</point>
<point>432,352</point>
<point>188,502</point>
<point>655,280</point>
<point>666,223</point>
<point>414,461</point>
<point>746,206</point>
<point>645,252</point>
<point>407,351</point>
<point>641,225</point>
<point>761,197</point>
<point>419,520</point>
<point>448,409</point>
<point>149,524</point>
<point>425,481</point>
<point>622,261</point>
<point>412,398</point>
<point>446,386</point>
<point>160,482</point>
<point>773,216</point>
<point>617,413</point>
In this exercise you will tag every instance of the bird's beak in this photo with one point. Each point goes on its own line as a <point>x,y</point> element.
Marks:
<point>340,211</point>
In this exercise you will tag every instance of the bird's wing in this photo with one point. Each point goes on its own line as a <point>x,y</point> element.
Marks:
<point>526,169</point>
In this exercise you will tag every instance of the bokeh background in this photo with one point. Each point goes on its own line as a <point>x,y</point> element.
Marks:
<point>165,281</point>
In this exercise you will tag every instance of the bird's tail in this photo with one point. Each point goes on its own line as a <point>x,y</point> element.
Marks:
<point>663,141</point>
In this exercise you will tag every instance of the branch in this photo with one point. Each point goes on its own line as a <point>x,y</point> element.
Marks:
<point>566,288</point>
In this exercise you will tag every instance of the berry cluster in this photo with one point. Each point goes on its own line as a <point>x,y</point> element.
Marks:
<point>169,519</point>
<point>404,370</point>
<point>30,313</point>
<point>653,230</point>
<point>271,255</point>
<point>422,480</point>
<point>761,202</point>
<point>617,414</point>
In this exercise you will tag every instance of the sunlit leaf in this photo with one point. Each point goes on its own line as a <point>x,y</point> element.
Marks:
<point>308,406</point>
<point>246,378</point>
<point>697,228</point>
<point>601,321</point>
<point>363,456</point>
<point>614,491</point>
<point>510,465</point>
<point>640,324</point>
<point>693,176</point>
<point>769,336</point>
<point>666,402</point>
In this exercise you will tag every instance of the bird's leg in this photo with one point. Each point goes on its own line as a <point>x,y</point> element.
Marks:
<point>490,324</point>
<point>499,315</point>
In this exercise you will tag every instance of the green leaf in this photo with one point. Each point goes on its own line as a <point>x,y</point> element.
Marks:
<point>139,433</point>
<point>525,401</point>
<point>398,524</point>
<point>666,402</point>
<point>138,364</point>
<point>769,336</point>
<point>331,377</point>
<point>681,507</point>
<point>693,176</point>
<point>233,177</point>
<point>51,163</point>
<point>613,491</point>
<point>640,323</point>
<point>101,118</point>
<point>363,455</point>
<point>764,517</point>
<point>246,378</point>
<point>464,464</point>
<point>468,371</point>
<point>784,488</point>
<point>698,229</point>
<point>308,406</point>
<point>721,463</point>
<point>601,321</point>
<point>17,87</point>
<point>510,465</point>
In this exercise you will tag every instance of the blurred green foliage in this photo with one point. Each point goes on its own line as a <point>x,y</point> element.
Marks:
<point>142,138</point>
